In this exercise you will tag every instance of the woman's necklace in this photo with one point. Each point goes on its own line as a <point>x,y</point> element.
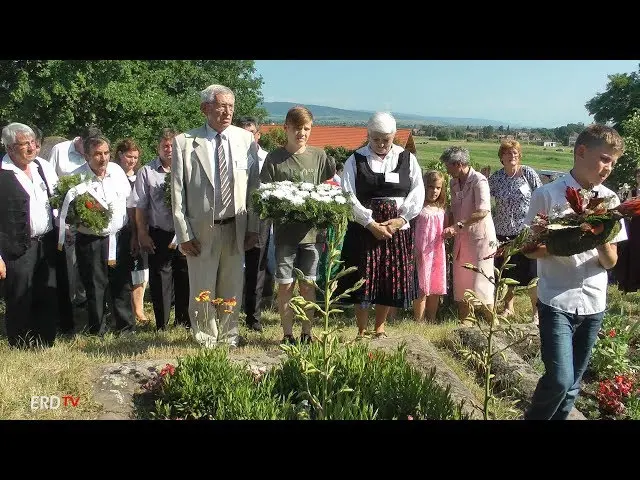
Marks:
<point>514,173</point>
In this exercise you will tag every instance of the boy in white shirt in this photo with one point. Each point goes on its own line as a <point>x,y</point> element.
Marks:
<point>572,291</point>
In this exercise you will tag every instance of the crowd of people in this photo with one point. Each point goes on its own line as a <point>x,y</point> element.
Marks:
<point>208,238</point>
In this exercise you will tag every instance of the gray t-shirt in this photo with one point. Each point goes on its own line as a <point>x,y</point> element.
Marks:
<point>311,166</point>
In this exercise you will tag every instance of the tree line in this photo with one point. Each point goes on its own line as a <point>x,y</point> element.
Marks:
<point>137,98</point>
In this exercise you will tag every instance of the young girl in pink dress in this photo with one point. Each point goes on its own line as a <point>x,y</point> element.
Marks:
<point>430,252</point>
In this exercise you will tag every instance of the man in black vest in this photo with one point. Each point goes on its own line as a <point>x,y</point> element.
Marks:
<point>27,240</point>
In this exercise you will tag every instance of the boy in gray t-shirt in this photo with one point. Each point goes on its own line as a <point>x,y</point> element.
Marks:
<point>296,244</point>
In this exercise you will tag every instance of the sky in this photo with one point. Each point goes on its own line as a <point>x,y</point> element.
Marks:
<point>526,93</point>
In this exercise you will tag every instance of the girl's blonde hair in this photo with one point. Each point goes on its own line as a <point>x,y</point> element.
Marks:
<point>430,177</point>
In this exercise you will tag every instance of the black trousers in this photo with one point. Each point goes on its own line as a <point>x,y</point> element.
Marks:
<point>168,280</point>
<point>92,253</point>
<point>258,281</point>
<point>30,294</point>
<point>65,306</point>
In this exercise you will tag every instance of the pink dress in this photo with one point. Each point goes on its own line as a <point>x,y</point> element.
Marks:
<point>430,252</point>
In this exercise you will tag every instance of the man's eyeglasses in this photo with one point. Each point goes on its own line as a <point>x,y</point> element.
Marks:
<point>25,144</point>
<point>222,108</point>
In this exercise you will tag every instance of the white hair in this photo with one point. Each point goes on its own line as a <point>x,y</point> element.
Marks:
<point>455,154</point>
<point>382,122</point>
<point>10,132</point>
<point>208,95</point>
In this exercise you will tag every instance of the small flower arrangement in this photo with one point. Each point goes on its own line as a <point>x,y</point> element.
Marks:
<point>166,190</point>
<point>581,224</point>
<point>220,305</point>
<point>84,209</point>
<point>302,202</point>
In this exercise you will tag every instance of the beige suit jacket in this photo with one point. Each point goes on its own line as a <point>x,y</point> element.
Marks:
<point>192,182</point>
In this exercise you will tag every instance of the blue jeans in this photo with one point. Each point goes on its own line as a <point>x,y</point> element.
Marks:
<point>566,341</point>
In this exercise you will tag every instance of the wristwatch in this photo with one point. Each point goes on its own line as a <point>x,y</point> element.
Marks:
<point>460,225</point>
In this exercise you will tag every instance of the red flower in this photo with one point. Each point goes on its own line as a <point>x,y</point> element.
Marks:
<point>612,333</point>
<point>629,208</point>
<point>89,204</point>
<point>596,230</point>
<point>575,199</point>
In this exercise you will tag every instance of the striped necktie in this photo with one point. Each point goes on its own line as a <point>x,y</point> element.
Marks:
<point>223,170</point>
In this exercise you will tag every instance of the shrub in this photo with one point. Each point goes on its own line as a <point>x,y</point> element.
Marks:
<point>208,386</point>
<point>368,385</point>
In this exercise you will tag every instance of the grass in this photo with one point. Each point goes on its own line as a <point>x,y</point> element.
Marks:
<point>486,153</point>
<point>67,367</point>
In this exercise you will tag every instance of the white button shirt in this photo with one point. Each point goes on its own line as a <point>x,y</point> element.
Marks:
<point>114,189</point>
<point>408,207</point>
<point>221,213</point>
<point>65,158</point>
<point>575,284</point>
<point>39,209</point>
<point>262,155</point>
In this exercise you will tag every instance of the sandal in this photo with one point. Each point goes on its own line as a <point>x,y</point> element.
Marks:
<point>380,335</point>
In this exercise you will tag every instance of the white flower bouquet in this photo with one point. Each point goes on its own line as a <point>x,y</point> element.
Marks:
<point>302,202</point>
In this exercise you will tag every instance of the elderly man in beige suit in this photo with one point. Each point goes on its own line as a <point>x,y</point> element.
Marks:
<point>214,171</point>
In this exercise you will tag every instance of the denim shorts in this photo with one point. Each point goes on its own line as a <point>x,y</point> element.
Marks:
<point>304,256</point>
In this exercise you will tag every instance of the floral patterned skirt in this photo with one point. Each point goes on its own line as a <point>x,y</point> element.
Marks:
<point>388,266</point>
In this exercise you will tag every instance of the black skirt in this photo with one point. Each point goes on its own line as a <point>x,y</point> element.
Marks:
<point>525,268</point>
<point>387,266</point>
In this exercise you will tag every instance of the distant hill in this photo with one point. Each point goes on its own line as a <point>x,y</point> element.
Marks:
<point>278,110</point>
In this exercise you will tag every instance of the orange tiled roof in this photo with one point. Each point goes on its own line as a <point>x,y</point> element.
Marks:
<point>341,136</point>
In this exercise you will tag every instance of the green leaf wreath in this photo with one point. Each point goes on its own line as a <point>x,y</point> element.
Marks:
<point>84,209</point>
<point>166,189</point>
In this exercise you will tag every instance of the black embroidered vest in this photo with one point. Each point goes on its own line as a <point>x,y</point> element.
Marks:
<point>370,184</point>
<point>15,219</point>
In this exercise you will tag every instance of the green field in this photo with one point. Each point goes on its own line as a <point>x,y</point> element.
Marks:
<point>486,153</point>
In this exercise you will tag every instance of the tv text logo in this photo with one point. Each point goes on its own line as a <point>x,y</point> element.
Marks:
<point>53,402</point>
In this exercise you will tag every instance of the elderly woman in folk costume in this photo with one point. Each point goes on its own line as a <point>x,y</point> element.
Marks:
<point>385,183</point>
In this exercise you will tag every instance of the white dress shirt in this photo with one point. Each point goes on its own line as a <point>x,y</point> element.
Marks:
<point>114,189</point>
<point>408,207</point>
<point>262,155</point>
<point>65,158</point>
<point>41,218</point>
<point>576,284</point>
<point>220,213</point>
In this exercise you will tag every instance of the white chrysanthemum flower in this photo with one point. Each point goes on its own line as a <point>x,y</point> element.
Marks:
<point>285,182</point>
<point>265,194</point>
<point>306,186</point>
<point>315,196</point>
<point>340,199</point>
<point>335,191</point>
<point>296,200</point>
<point>324,198</point>
<point>278,193</point>
<point>303,193</point>
<point>323,186</point>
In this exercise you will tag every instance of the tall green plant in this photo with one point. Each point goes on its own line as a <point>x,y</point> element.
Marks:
<point>494,322</point>
<point>328,338</point>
